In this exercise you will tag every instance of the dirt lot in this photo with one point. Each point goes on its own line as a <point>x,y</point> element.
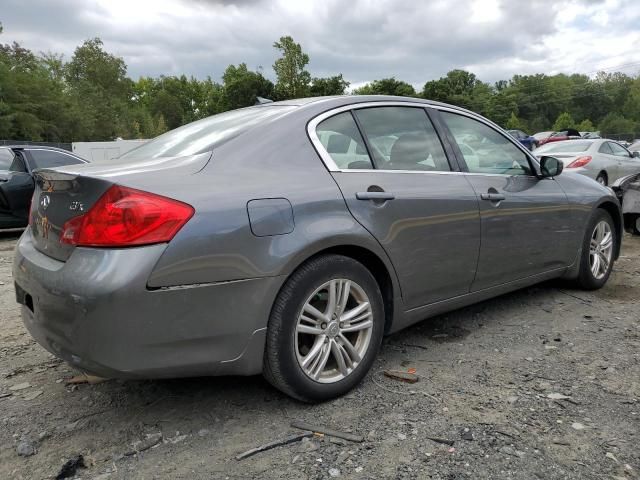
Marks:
<point>493,378</point>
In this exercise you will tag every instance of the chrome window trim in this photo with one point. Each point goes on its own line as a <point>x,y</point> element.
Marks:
<point>333,167</point>
<point>68,154</point>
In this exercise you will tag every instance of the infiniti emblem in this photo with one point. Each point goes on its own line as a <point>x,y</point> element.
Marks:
<point>45,200</point>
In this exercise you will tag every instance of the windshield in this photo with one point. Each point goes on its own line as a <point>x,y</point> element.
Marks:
<point>572,146</point>
<point>203,135</point>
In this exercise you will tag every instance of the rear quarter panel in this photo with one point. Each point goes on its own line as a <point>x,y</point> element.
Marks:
<point>275,161</point>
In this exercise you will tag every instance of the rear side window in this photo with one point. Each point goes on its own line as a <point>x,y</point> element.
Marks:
<point>402,138</point>
<point>51,159</point>
<point>605,148</point>
<point>6,158</point>
<point>484,149</point>
<point>341,139</point>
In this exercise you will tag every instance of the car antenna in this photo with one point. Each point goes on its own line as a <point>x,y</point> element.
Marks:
<point>262,101</point>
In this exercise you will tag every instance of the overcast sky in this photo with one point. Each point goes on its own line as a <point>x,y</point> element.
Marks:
<point>412,40</point>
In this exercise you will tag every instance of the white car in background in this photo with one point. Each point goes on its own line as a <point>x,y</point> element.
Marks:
<point>603,160</point>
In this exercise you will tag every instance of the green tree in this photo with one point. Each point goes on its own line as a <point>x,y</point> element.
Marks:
<point>386,86</point>
<point>585,126</point>
<point>292,78</point>
<point>513,123</point>
<point>335,85</point>
<point>616,125</point>
<point>241,87</point>
<point>564,121</point>
<point>101,90</point>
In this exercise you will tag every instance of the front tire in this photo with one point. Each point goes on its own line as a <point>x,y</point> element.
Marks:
<point>598,249</point>
<point>325,329</point>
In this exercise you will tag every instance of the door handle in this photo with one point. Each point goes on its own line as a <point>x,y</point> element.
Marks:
<point>493,197</point>
<point>375,196</point>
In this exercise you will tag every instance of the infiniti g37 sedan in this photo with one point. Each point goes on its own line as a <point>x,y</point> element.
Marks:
<point>288,238</point>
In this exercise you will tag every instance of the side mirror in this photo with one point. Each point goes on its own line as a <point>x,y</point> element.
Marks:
<point>550,167</point>
<point>635,154</point>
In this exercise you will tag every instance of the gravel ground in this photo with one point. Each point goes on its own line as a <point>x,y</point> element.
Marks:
<point>541,383</point>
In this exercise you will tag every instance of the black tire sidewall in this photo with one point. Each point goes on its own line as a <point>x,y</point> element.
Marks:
<point>586,278</point>
<point>285,315</point>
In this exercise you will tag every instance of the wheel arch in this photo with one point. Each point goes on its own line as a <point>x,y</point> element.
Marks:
<point>380,268</point>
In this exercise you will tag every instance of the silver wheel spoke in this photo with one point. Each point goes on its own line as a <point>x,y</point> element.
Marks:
<point>316,316</point>
<point>354,312</point>
<point>355,327</point>
<point>322,360</point>
<point>349,349</point>
<point>339,355</point>
<point>313,353</point>
<point>344,295</point>
<point>301,328</point>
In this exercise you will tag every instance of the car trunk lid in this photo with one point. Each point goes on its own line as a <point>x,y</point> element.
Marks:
<point>68,192</point>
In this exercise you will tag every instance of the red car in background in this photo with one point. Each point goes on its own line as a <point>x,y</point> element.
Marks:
<point>569,134</point>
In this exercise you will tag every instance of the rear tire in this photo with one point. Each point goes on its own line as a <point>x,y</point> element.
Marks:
<point>304,320</point>
<point>598,251</point>
<point>602,179</point>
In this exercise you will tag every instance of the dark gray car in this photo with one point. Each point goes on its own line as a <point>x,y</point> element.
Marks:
<point>288,238</point>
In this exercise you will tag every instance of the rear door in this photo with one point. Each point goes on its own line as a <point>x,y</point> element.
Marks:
<point>398,183</point>
<point>526,222</point>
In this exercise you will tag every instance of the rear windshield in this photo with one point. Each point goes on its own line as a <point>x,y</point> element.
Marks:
<point>203,135</point>
<point>571,146</point>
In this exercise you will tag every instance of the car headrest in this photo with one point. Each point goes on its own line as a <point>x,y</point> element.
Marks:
<point>410,148</point>
<point>338,143</point>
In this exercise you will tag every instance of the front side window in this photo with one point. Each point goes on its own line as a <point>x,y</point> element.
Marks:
<point>618,150</point>
<point>51,159</point>
<point>341,139</point>
<point>484,149</point>
<point>402,138</point>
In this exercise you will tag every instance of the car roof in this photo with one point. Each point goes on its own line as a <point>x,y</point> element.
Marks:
<point>342,100</point>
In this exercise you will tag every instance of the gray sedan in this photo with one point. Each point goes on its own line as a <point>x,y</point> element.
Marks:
<point>603,160</point>
<point>288,238</point>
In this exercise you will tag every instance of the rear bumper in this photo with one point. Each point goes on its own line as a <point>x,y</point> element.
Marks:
<point>96,312</point>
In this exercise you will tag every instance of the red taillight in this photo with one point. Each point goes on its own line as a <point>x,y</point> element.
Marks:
<point>124,217</point>
<point>579,162</point>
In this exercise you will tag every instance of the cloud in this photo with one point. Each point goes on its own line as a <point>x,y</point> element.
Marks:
<point>363,39</point>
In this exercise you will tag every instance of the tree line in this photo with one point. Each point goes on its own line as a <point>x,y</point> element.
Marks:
<point>90,97</point>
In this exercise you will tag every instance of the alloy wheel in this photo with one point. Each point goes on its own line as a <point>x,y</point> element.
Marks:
<point>600,249</point>
<point>333,331</point>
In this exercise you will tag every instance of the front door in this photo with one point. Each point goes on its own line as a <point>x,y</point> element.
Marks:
<point>398,183</point>
<point>525,221</point>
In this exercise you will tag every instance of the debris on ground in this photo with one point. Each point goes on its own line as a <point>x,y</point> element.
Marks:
<point>401,376</point>
<point>26,448</point>
<point>328,431</point>
<point>85,378</point>
<point>276,443</point>
<point>152,440</point>
<point>443,441</point>
<point>70,467</point>
<point>20,386</point>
